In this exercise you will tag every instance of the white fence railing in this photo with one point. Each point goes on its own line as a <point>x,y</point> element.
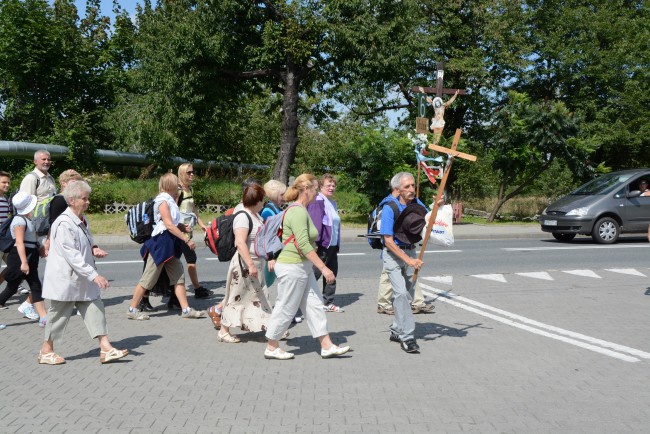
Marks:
<point>213,208</point>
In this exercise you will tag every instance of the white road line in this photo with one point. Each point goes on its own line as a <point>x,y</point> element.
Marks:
<point>630,271</point>
<point>447,280</point>
<point>495,277</point>
<point>537,275</point>
<point>583,273</point>
<point>351,254</point>
<point>442,251</point>
<point>533,249</point>
<point>589,344</point>
<point>119,262</point>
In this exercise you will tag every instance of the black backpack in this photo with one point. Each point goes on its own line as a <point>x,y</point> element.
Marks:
<point>225,237</point>
<point>139,220</point>
<point>6,240</point>
<point>375,239</point>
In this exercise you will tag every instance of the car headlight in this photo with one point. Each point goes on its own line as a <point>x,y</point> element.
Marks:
<point>579,211</point>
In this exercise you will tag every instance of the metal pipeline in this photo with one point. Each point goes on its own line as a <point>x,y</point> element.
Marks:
<point>57,152</point>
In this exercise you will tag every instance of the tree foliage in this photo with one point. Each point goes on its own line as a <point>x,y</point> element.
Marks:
<point>249,81</point>
<point>527,138</point>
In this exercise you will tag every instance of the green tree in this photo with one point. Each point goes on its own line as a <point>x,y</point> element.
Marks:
<point>54,86</point>
<point>527,138</point>
<point>594,57</point>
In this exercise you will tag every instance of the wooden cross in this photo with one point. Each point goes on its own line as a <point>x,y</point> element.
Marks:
<point>451,154</point>
<point>421,122</point>
<point>438,90</point>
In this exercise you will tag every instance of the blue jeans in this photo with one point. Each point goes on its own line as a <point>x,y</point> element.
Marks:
<point>400,276</point>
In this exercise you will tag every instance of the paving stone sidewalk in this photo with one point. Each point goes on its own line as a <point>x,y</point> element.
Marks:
<point>473,375</point>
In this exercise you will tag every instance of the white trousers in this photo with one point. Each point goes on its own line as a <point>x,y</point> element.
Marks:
<point>297,287</point>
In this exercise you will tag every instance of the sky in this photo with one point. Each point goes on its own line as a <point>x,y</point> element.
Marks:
<point>107,7</point>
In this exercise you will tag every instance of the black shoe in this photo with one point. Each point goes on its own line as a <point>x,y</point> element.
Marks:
<point>173,302</point>
<point>145,306</point>
<point>410,346</point>
<point>202,292</point>
<point>394,338</point>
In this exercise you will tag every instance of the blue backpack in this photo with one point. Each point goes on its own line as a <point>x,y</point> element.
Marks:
<point>139,221</point>
<point>375,239</point>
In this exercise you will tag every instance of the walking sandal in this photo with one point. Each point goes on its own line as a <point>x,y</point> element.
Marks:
<point>50,359</point>
<point>112,354</point>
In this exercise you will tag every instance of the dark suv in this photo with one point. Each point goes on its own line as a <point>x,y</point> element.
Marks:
<point>603,208</point>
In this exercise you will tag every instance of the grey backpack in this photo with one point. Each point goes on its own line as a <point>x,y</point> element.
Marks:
<point>268,240</point>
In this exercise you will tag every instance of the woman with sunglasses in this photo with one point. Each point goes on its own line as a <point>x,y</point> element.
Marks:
<point>190,214</point>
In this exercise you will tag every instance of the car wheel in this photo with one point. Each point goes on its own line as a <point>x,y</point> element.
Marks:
<point>565,238</point>
<point>606,231</point>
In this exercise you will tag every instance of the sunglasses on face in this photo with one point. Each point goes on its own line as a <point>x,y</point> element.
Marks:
<point>190,172</point>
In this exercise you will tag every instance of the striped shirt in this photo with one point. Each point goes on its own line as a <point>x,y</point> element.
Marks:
<point>4,209</point>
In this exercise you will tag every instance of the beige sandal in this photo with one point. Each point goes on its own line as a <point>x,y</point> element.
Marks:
<point>112,354</point>
<point>50,359</point>
<point>228,338</point>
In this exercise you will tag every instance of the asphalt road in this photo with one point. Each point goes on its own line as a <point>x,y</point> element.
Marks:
<point>466,257</point>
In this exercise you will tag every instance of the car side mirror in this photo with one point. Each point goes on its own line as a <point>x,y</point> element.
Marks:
<point>633,194</point>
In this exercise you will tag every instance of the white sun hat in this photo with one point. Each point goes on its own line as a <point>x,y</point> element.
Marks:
<point>24,203</point>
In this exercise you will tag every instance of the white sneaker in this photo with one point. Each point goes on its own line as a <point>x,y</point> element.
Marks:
<point>23,290</point>
<point>277,354</point>
<point>28,311</point>
<point>23,306</point>
<point>333,351</point>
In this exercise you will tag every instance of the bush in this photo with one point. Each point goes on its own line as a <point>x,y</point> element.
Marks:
<point>353,202</point>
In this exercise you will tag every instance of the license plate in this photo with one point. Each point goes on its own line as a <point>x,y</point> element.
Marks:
<point>550,222</point>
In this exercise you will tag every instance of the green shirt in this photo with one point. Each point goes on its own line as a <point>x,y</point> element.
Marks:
<point>297,222</point>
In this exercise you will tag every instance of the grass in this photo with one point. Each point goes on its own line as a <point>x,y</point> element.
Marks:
<point>108,189</point>
<point>519,207</point>
<point>113,224</point>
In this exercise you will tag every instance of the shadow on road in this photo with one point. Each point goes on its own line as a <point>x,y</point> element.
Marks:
<point>432,331</point>
<point>129,343</point>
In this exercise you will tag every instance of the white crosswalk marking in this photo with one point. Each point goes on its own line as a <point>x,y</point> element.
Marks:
<point>630,271</point>
<point>584,273</point>
<point>495,277</point>
<point>600,346</point>
<point>537,275</point>
<point>446,280</point>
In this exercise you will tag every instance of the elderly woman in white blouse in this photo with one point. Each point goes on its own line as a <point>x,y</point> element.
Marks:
<point>71,279</point>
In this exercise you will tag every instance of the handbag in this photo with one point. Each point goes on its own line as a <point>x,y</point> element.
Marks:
<point>442,233</point>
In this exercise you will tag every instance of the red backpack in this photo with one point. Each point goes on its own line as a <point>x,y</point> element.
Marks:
<point>220,238</point>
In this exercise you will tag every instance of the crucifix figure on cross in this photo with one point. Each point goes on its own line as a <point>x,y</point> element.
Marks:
<point>438,120</point>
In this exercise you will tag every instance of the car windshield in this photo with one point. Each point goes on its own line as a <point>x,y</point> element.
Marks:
<point>603,184</point>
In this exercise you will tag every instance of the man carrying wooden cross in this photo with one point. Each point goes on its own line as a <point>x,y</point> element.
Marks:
<point>401,232</point>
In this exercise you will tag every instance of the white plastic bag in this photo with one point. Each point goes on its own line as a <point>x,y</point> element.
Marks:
<point>442,233</point>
